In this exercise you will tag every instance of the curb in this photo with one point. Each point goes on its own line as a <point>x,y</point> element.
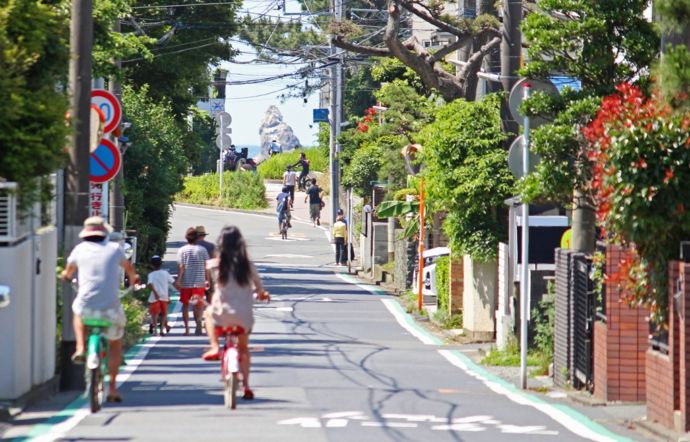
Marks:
<point>660,431</point>
<point>10,409</point>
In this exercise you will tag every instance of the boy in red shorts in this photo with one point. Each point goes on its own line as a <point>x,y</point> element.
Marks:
<point>159,282</point>
<point>193,279</point>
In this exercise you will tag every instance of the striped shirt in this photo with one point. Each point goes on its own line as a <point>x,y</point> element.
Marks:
<point>193,258</point>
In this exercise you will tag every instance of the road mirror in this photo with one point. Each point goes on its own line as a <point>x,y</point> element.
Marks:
<point>4,296</point>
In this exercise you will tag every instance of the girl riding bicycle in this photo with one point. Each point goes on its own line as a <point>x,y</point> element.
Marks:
<point>236,281</point>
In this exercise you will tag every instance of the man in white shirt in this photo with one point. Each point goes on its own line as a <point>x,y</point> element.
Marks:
<point>289,181</point>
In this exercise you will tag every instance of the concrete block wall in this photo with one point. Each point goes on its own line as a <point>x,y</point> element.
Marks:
<point>620,344</point>
<point>479,298</point>
<point>380,243</point>
<point>504,318</point>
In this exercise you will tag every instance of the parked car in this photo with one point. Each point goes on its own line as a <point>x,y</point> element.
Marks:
<point>429,282</point>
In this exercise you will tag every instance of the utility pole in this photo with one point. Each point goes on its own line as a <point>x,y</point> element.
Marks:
<point>511,55</point>
<point>117,199</point>
<point>336,88</point>
<point>77,173</point>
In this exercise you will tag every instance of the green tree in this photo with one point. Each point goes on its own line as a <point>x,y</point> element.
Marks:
<point>33,60</point>
<point>187,40</point>
<point>372,147</point>
<point>467,173</point>
<point>155,164</point>
<point>600,44</point>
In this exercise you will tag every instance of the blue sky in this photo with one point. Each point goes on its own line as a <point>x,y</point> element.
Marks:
<point>248,103</point>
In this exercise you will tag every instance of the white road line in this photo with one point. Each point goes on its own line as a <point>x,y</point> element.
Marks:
<point>389,424</point>
<point>520,398</point>
<point>60,430</point>
<point>402,320</point>
<point>237,212</point>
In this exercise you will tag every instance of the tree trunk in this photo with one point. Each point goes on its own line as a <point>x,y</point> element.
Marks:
<point>584,224</point>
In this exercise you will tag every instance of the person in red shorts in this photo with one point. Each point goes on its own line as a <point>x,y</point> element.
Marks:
<point>159,281</point>
<point>193,279</point>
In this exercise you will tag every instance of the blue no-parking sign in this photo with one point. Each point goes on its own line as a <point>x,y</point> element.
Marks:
<point>105,162</point>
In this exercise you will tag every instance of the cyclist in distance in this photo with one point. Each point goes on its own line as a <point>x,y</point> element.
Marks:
<point>303,162</point>
<point>236,281</point>
<point>283,207</point>
<point>98,262</point>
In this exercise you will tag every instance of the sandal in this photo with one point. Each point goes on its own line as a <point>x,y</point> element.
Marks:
<point>248,394</point>
<point>79,358</point>
<point>208,356</point>
<point>115,398</point>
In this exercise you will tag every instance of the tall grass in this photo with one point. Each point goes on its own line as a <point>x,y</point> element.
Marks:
<point>241,190</point>
<point>274,166</point>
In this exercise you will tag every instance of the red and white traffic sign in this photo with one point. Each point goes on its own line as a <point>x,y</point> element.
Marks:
<point>110,106</point>
<point>105,162</point>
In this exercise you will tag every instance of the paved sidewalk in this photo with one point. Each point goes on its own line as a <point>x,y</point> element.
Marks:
<point>300,210</point>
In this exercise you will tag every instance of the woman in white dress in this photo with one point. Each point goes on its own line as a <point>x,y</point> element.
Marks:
<point>236,281</point>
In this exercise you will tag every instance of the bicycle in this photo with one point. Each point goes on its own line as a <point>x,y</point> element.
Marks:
<point>230,364</point>
<point>304,182</point>
<point>283,228</point>
<point>97,355</point>
<point>96,362</point>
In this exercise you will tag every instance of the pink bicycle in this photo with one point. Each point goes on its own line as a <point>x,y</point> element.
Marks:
<point>230,363</point>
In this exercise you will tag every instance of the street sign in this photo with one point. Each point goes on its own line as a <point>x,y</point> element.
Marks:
<point>105,162</point>
<point>517,94</point>
<point>515,158</point>
<point>110,106</point>
<point>223,141</point>
<point>223,130</point>
<point>97,122</point>
<point>98,199</point>
<point>216,105</point>
<point>320,115</point>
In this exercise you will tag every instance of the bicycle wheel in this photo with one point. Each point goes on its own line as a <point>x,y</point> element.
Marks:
<point>231,391</point>
<point>95,389</point>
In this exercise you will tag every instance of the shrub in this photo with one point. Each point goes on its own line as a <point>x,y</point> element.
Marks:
<point>442,275</point>
<point>241,190</point>
<point>135,310</point>
<point>274,167</point>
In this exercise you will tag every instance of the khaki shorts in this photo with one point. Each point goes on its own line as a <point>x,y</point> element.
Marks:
<point>315,211</point>
<point>116,317</point>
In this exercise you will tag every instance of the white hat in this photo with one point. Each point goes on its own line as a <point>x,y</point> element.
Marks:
<point>94,226</point>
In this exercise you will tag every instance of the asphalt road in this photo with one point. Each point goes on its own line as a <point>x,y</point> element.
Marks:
<point>332,361</point>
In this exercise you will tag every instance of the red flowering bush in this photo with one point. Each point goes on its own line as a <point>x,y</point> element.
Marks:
<point>640,153</point>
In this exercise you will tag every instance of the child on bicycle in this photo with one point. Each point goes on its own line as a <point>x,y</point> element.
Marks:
<point>283,207</point>
<point>98,262</point>
<point>159,281</point>
<point>236,281</point>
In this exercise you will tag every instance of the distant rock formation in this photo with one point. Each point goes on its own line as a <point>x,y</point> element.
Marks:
<point>274,128</point>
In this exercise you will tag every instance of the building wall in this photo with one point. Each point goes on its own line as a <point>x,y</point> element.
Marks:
<point>28,324</point>
<point>15,323</point>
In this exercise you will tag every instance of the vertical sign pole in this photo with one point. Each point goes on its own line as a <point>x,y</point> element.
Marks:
<point>220,164</point>
<point>524,270</point>
<point>420,271</point>
<point>350,228</point>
